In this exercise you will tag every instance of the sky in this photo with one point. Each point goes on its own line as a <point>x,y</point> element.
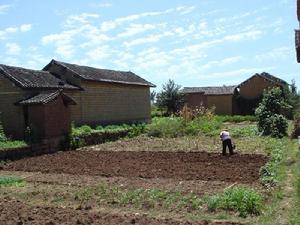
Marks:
<point>193,42</point>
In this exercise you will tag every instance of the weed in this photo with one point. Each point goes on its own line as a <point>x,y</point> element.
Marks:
<point>243,200</point>
<point>6,181</point>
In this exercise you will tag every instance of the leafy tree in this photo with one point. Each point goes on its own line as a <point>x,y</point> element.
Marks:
<point>271,113</point>
<point>170,98</point>
<point>292,98</point>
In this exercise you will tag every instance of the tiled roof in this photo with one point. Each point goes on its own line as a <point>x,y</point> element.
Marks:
<point>27,78</point>
<point>103,75</point>
<point>268,77</point>
<point>221,90</point>
<point>44,98</point>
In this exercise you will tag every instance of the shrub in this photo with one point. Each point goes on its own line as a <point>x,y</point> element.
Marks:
<point>165,127</point>
<point>271,120</point>
<point>237,118</point>
<point>205,125</point>
<point>244,200</point>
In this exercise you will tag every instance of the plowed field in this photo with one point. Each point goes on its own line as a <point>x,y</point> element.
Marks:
<point>240,168</point>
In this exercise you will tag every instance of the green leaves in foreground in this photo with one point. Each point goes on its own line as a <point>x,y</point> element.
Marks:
<point>7,181</point>
<point>243,200</point>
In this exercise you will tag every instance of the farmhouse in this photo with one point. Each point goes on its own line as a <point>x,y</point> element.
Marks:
<point>48,100</point>
<point>231,100</point>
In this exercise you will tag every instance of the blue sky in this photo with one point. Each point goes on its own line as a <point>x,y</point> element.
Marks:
<point>195,43</point>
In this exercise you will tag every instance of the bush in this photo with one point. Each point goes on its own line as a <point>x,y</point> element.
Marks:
<point>271,120</point>
<point>165,127</point>
<point>244,200</point>
<point>205,125</point>
<point>237,118</point>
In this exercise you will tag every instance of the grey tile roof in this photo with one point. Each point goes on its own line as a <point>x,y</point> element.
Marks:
<point>268,77</point>
<point>46,97</point>
<point>103,75</point>
<point>27,78</point>
<point>220,90</point>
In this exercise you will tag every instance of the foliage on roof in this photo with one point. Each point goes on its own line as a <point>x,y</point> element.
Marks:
<point>103,75</point>
<point>27,78</point>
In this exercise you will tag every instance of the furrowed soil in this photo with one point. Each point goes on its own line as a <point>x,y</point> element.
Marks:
<point>205,166</point>
<point>15,212</point>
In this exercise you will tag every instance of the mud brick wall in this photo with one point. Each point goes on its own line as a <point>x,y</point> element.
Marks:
<point>107,103</point>
<point>11,115</point>
<point>255,87</point>
<point>18,153</point>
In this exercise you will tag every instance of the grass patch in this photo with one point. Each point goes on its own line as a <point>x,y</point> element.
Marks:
<point>12,144</point>
<point>243,200</point>
<point>7,181</point>
<point>237,118</point>
<point>139,198</point>
<point>270,173</point>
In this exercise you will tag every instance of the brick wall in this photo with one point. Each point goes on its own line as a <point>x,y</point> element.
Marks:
<point>194,100</point>
<point>11,115</point>
<point>255,87</point>
<point>104,103</point>
<point>223,103</point>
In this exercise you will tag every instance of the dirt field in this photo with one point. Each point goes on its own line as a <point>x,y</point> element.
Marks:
<point>14,212</point>
<point>54,182</point>
<point>185,166</point>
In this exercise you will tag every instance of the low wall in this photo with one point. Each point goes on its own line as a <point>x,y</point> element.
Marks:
<point>32,150</point>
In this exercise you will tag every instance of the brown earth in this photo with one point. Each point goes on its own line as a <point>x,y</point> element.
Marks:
<point>17,213</point>
<point>205,166</point>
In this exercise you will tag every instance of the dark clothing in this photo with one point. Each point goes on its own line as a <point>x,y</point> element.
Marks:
<point>227,143</point>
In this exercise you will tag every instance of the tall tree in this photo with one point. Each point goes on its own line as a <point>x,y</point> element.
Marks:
<point>170,98</point>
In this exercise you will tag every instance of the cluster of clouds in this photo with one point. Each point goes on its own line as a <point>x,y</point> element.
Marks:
<point>149,44</point>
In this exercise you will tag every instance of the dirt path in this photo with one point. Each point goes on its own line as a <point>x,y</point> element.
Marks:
<point>180,165</point>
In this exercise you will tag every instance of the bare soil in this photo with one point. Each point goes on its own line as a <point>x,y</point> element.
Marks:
<point>240,168</point>
<point>17,213</point>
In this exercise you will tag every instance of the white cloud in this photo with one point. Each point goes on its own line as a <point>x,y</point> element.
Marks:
<point>14,29</point>
<point>83,18</point>
<point>12,49</point>
<point>134,29</point>
<point>275,54</point>
<point>4,8</point>
<point>65,51</point>
<point>100,53</point>
<point>25,27</point>
<point>112,24</point>
<point>250,35</point>
<point>101,5</point>
<point>149,39</point>
<point>239,72</point>
<point>223,62</point>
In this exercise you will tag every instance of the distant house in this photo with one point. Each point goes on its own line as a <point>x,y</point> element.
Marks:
<point>48,100</point>
<point>231,100</point>
<point>219,97</point>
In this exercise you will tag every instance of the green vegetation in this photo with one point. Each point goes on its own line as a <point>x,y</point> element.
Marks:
<point>6,142</point>
<point>177,126</point>
<point>277,149</point>
<point>6,181</point>
<point>243,200</point>
<point>170,99</point>
<point>271,114</point>
<point>237,118</point>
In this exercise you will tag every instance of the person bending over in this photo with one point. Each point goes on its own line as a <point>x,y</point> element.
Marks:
<point>226,142</point>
